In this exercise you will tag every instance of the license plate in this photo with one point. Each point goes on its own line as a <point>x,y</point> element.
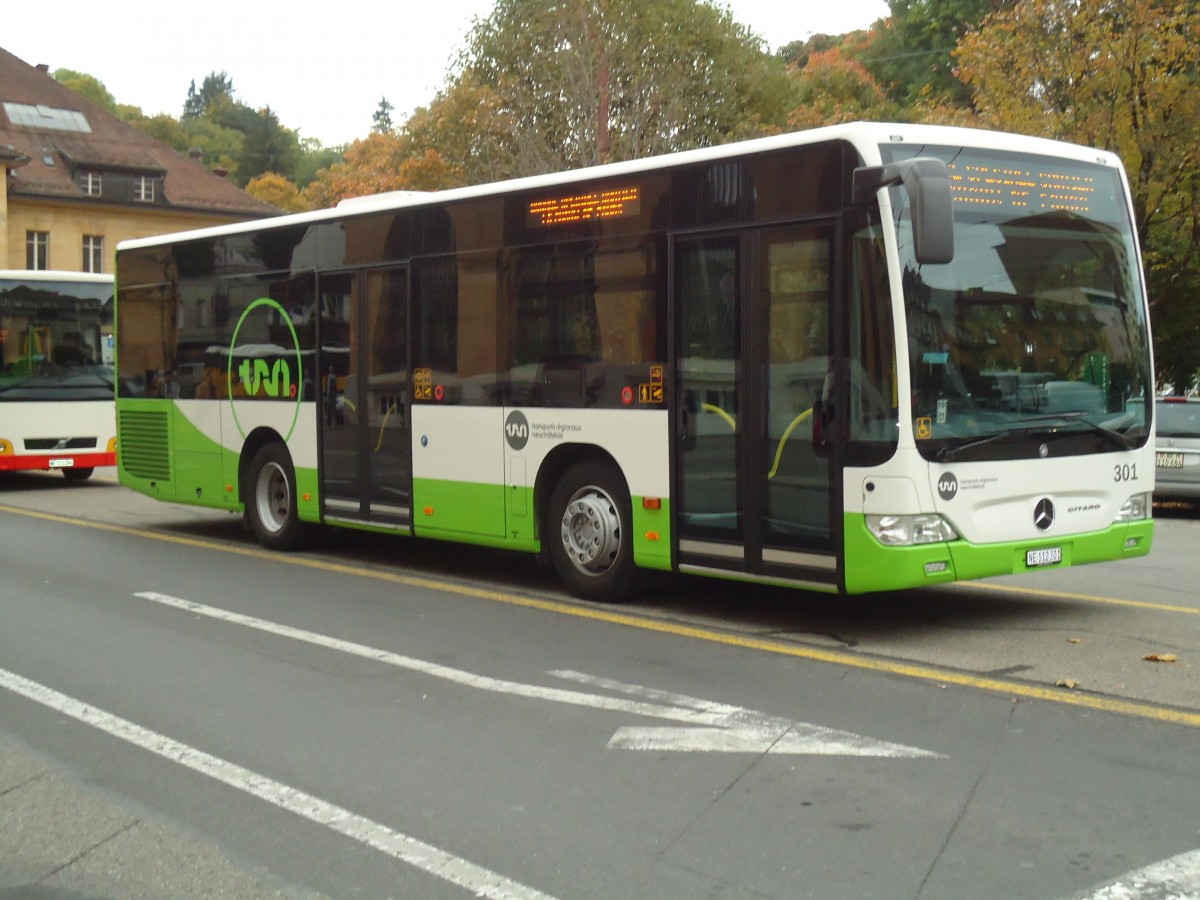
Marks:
<point>61,463</point>
<point>1169,460</point>
<point>1047,556</point>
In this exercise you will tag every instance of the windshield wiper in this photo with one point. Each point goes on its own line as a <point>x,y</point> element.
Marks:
<point>1041,423</point>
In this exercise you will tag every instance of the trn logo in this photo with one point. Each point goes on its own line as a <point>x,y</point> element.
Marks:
<point>516,430</point>
<point>275,381</point>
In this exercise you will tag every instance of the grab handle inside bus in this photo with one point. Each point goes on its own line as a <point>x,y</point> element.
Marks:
<point>927,183</point>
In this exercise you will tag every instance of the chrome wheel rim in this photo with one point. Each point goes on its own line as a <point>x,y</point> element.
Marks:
<point>273,497</point>
<point>591,531</point>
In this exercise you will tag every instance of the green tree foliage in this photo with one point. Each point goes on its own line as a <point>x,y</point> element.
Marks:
<point>87,85</point>
<point>215,93</point>
<point>912,54</point>
<point>1121,75</point>
<point>381,120</point>
<point>579,82</point>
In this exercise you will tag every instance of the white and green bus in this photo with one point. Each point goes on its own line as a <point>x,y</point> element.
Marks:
<point>56,372</point>
<point>860,358</point>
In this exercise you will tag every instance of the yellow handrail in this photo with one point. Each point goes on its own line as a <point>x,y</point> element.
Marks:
<point>783,440</point>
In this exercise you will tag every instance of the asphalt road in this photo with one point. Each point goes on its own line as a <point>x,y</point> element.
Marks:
<point>183,714</point>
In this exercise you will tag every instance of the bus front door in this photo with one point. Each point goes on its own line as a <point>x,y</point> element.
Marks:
<point>366,455</point>
<point>754,490</point>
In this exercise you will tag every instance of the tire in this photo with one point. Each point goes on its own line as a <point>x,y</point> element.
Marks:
<point>82,473</point>
<point>590,533</point>
<point>270,499</point>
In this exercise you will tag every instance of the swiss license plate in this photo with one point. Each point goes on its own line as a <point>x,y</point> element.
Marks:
<point>1047,556</point>
<point>61,463</point>
<point>1169,460</point>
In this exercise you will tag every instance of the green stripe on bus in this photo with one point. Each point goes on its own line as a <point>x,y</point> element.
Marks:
<point>870,566</point>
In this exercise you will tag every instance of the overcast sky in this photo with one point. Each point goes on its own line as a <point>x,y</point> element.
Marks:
<point>323,76</point>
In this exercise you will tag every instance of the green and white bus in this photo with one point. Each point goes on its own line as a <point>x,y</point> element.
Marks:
<point>860,358</point>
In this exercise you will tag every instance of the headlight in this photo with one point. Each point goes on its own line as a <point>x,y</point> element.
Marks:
<point>904,531</point>
<point>1138,506</point>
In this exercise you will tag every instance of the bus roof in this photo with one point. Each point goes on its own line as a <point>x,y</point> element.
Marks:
<point>53,275</point>
<point>865,136</point>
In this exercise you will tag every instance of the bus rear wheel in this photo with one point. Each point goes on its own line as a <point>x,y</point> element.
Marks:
<point>589,529</point>
<point>271,499</point>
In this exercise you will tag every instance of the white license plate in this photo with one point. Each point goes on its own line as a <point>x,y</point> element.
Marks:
<point>61,463</point>
<point>1169,460</point>
<point>1047,556</point>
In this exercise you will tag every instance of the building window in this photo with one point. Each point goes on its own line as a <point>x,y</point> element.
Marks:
<point>93,253</point>
<point>90,182</point>
<point>37,250</point>
<point>144,190</point>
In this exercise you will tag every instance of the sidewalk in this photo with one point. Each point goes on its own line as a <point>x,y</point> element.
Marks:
<point>61,840</point>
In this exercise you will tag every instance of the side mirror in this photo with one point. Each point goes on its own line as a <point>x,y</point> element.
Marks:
<point>927,182</point>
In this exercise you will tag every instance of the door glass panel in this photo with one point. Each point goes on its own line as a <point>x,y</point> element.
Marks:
<point>794,275</point>
<point>710,335</point>
<point>385,314</point>
<point>339,367</point>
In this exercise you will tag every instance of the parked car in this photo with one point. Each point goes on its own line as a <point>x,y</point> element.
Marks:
<point>1177,446</point>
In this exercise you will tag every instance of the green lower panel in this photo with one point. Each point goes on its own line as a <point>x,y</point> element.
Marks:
<point>870,566</point>
<point>445,509</point>
<point>652,536</point>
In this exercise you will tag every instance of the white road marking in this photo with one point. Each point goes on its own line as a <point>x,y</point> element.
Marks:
<point>713,727</point>
<point>1177,878</point>
<point>480,881</point>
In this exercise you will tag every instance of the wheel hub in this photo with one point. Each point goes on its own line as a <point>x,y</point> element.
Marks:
<point>591,531</point>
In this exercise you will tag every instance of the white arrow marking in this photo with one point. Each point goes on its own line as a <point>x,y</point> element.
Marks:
<point>1177,878</point>
<point>740,730</point>
<point>714,726</point>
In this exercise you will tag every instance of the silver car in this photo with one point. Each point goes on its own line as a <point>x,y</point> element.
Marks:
<point>1177,470</point>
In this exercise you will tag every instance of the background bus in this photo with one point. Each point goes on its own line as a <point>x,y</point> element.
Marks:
<point>767,361</point>
<point>56,372</point>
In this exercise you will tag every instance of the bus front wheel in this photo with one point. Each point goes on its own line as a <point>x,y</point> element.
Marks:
<point>589,529</point>
<point>271,500</point>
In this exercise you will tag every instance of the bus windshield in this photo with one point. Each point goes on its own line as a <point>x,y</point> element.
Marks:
<point>1033,341</point>
<point>55,340</point>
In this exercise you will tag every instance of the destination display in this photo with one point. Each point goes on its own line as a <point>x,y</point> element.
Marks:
<point>616,203</point>
<point>1037,188</point>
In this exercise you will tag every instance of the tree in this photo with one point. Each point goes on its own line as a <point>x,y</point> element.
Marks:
<point>376,164</point>
<point>833,88</point>
<point>215,93</point>
<point>273,188</point>
<point>87,85</point>
<point>1121,75</point>
<point>579,82</point>
<point>913,53</point>
<point>382,119</point>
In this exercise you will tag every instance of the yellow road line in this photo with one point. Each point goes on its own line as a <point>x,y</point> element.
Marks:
<point>1087,598</point>
<point>836,657</point>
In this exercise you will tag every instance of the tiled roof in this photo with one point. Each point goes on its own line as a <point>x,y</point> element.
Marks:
<point>110,145</point>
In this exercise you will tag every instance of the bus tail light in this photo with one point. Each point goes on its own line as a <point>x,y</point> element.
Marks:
<point>905,531</point>
<point>1138,506</point>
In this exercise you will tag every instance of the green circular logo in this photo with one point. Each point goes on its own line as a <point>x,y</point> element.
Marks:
<point>266,374</point>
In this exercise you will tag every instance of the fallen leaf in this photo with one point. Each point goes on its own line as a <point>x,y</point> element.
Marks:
<point>1160,657</point>
<point>1067,683</point>
<point>1074,640</point>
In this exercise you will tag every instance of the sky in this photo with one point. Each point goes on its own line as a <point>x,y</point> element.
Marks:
<point>322,76</point>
